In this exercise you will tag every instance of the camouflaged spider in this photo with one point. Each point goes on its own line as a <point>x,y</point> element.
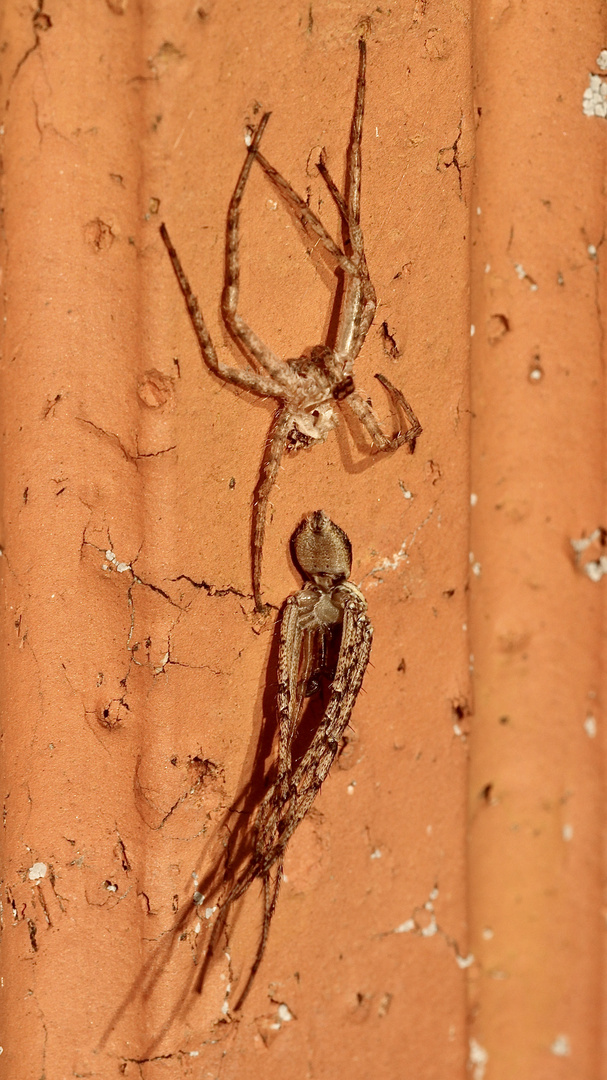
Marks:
<point>309,387</point>
<point>325,642</point>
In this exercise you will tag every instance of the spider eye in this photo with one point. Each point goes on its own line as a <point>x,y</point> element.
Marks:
<point>316,414</point>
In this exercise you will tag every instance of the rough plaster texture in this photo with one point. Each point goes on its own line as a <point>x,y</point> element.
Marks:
<point>137,680</point>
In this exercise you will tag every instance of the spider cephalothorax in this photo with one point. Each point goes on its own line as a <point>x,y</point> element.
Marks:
<point>307,388</point>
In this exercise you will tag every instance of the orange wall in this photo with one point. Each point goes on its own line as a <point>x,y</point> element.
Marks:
<point>139,686</point>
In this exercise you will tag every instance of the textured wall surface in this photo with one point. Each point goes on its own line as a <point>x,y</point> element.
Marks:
<point>413,936</point>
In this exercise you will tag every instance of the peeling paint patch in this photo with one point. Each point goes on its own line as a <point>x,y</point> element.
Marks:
<point>399,556</point>
<point>423,923</point>
<point>477,1059</point>
<point>561,1047</point>
<point>594,99</point>
<point>595,568</point>
<point>590,727</point>
<point>37,871</point>
<point>522,275</point>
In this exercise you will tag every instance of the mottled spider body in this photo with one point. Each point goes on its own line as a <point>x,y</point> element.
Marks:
<point>325,642</point>
<point>308,388</point>
<point>317,382</point>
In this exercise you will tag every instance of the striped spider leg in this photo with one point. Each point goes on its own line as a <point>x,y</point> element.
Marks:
<point>325,638</point>
<point>309,387</point>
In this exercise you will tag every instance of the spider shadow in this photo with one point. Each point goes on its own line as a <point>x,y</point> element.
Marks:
<point>237,821</point>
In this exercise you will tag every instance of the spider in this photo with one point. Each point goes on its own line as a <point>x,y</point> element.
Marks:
<point>325,636</point>
<point>309,387</point>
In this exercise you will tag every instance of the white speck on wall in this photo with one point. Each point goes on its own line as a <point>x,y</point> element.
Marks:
<point>487,933</point>
<point>594,98</point>
<point>476,569</point>
<point>376,853</point>
<point>473,499</point>
<point>477,1059</point>
<point>37,871</point>
<point>567,832</point>
<point>478,211</point>
<point>464,962</point>
<point>592,251</point>
<point>284,1013</point>
<point>472,330</point>
<point>584,542</point>
<point>596,568</point>
<point>350,787</point>
<point>198,928</point>
<point>405,927</point>
<point>522,275</point>
<point>209,911</point>
<point>590,727</point>
<point>487,268</point>
<point>561,1047</point>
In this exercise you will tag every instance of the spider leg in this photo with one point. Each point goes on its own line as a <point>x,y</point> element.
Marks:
<point>368,418</point>
<point>359,300</point>
<point>293,199</point>
<point>314,767</point>
<point>247,380</point>
<point>270,891</point>
<point>237,326</point>
<point>274,450</point>
<point>286,803</point>
<point>340,202</point>
<point>291,635</point>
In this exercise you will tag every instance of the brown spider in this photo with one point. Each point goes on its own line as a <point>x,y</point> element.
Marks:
<point>325,640</point>
<point>309,387</point>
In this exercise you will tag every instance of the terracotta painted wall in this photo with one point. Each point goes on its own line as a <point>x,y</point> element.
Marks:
<point>536,862</point>
<point>138,682</point>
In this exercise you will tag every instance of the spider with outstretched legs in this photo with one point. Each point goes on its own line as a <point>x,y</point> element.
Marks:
<point>309,387</point>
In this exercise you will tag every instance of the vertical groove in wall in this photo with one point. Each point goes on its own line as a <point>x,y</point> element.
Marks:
<point>72,522</point>
<point>537,482</point>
